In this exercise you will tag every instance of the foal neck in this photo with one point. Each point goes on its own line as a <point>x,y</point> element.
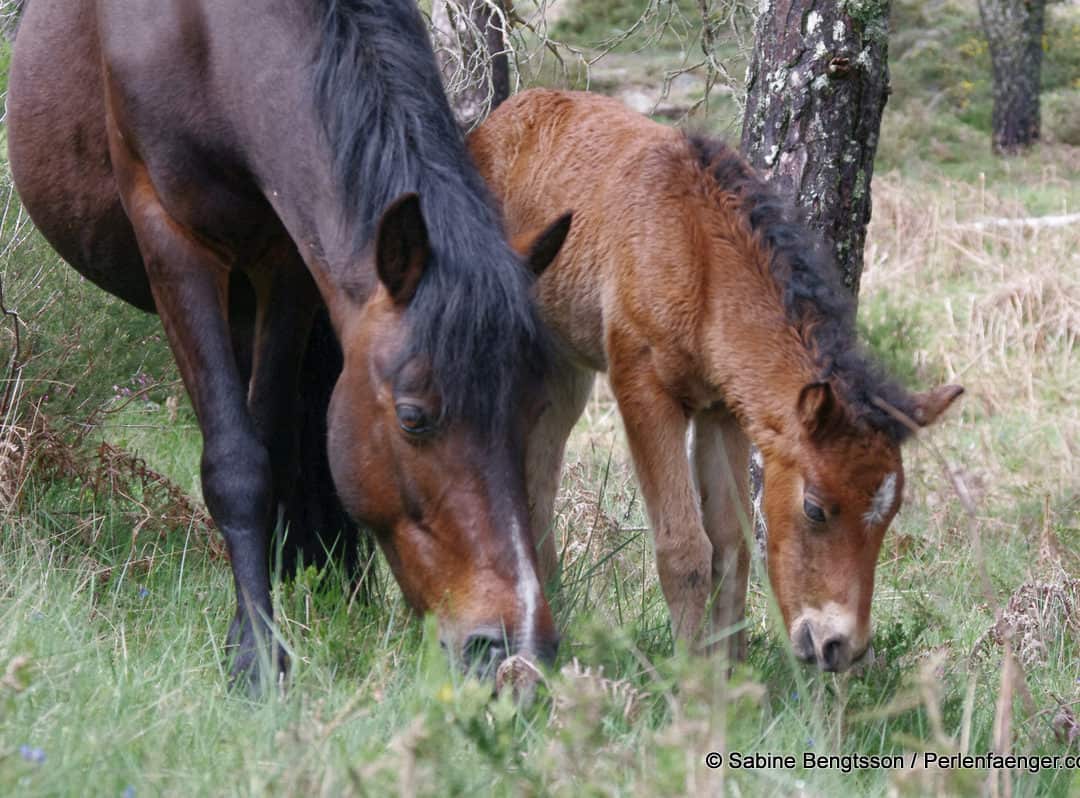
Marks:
<point>754,358</point>
<point>777,316</point>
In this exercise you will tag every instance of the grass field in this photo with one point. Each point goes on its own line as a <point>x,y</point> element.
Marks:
<point>114,596</point>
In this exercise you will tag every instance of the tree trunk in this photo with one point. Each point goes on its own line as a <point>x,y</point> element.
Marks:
<point>816,89</point>
<point>470,45</point>
<point>1014,31</point>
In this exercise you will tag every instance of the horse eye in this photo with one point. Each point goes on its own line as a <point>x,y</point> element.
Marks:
<point>412,418</point>
<point>813,511</point>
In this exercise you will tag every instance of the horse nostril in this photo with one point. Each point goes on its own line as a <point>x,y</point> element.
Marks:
<point>482,651</point>
<point>834,654</point>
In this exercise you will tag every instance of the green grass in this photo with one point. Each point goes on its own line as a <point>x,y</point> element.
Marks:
<point>124,684</point>
<point>110,642</point>
<point>588,22</point>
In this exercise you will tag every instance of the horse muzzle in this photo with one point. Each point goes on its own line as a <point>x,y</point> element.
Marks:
<point>828,639</point>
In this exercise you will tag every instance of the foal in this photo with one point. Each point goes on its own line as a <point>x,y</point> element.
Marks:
<point>684,278</point>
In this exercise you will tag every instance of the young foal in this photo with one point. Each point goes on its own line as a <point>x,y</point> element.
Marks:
<point>685,280</point>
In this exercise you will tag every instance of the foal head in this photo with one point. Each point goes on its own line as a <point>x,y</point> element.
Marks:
<point>830,491</point>
<point>427,450</point>
<point>829,425</point>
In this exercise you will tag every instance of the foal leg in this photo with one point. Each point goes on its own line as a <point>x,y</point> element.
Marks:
<point>568,390</point>
<point>656,424</point>
<point>721,465</point>
<point>189,282</point>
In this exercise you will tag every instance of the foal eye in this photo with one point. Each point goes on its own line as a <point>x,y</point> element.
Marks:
<point>412,418</point>
<point>813,511</point>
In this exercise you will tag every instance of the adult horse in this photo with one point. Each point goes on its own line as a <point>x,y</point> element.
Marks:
<point>236,166</point>
<point>686,280</point>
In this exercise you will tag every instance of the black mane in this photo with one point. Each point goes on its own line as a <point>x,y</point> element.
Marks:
<point>815,300</point>
<point>391,131</point>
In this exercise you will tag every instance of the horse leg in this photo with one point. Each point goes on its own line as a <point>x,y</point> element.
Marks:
<point>241,315</point>
<point>721,465</point>
<point>286,300</point>
<point>656,424</point>
<point>319,527</point>
<point>568,390</point>
<point>189,282</point>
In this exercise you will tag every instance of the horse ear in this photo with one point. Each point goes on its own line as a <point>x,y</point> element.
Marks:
<point>540,249</point>
<point>930,405</point>
<point>402,248</point>
<point>818,409</point>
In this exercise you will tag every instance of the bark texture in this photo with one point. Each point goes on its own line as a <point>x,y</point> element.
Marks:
<point>816,89</point>
<point>1014,31</point>
<point>470,44</point>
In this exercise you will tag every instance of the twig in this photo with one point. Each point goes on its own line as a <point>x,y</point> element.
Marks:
<point>1033,222</point>
<point>15,366</point>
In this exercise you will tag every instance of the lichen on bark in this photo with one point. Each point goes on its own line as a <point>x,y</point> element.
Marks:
<point>816,89</point>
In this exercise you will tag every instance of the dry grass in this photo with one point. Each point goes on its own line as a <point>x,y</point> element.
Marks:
<point>1001,312</point>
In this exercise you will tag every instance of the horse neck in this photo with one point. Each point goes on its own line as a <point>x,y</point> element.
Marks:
<point>373,124</point>
<point>754,356</point>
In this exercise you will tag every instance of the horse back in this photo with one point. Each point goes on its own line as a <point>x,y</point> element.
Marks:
<point>636,253</point>
<point>58,149</point>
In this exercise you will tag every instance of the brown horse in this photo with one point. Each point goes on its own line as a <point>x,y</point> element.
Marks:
<point>237,166</point>
<point>685,279</point>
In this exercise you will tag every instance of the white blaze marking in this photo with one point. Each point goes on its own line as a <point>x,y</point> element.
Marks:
<point>882,502</point>
<point>528,589</point>
<point>831,621</point>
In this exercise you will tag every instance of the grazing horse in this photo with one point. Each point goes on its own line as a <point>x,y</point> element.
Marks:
<point>686,280</point>
<point>237,166</point>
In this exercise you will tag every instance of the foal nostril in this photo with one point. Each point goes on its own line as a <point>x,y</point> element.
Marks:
<point>481,651</point>
<point>835,654</point>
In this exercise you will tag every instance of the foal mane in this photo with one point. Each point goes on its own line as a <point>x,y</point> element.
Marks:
<point>389,127</point>
<point>816,303</point>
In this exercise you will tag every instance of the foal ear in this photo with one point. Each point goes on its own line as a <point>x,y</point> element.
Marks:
<point>818,409</point>
<point>402,248</point>
<point>930,405</point>
<point>540,249</point>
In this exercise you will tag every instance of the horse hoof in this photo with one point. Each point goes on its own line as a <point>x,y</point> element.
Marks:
<point>259,673</point>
